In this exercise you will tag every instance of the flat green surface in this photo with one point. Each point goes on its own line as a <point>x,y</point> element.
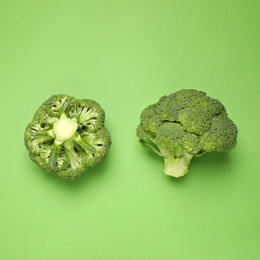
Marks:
<point>125,55</point>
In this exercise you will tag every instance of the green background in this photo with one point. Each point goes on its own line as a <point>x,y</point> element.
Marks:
<point>125,55</point>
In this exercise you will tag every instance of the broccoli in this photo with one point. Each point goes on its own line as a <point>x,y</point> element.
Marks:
<point>67,135</point>
<point>184,125</point>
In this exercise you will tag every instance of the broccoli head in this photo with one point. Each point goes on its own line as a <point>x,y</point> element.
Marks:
<point>184,125</point>
<point>67,136</point>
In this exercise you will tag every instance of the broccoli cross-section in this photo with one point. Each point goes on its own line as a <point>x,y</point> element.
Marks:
<point>67,136</point>
<point>184,125</point>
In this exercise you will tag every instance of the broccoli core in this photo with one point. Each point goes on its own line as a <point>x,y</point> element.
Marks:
<point>185,125</point>
<point>64,128</point>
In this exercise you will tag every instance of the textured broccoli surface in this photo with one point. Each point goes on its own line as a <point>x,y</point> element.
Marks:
<point>67,136</point>
<point>184,125</point>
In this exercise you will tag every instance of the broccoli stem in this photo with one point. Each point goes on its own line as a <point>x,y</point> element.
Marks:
<point>176,167</point>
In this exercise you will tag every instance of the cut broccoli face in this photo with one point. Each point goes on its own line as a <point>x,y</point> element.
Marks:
<point>184,125</point>
<point>67,135</point>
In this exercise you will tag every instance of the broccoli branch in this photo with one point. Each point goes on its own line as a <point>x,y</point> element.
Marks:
<point>74,158</point>
<point>87,147</point>
<point>54,154</point>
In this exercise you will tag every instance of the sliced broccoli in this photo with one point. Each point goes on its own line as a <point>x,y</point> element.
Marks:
<point>184,125</point>
<point>67,135</point>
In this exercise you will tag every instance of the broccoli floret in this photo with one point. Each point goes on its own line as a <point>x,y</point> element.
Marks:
<point>67,136</point>
<point>184,125</point>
